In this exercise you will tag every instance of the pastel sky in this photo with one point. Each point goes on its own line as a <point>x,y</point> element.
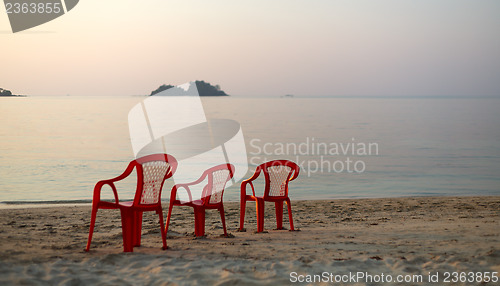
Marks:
<point>260,47</point>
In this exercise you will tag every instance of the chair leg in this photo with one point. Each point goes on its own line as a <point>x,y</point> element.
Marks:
<point>93,216</point>
<point>127,230</point>
<point>162,229</point>
<point>289,205</point>
<point>279,214</point>
<point>199,221</point>
<point>242,212</point>
<point>171,205</point>
<point>137,228</point>
<point>223,219</point>
<point>260,215</point>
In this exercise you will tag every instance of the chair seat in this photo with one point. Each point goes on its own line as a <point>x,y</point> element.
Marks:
<point>184,203</point>
<point>114,205</point>
<point>269,199</point>
<point>126,204</point>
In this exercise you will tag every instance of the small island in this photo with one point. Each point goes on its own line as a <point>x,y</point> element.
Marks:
<point>5,92</point>
<point>204,89</point>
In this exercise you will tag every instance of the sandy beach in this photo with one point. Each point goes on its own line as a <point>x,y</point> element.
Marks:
<point>424,238</point>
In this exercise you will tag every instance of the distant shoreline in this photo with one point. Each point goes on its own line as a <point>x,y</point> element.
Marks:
<point>88,202</point>
<point>45,202</point>
<point>14,95</point>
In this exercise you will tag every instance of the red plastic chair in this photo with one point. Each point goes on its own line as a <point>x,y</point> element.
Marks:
<point>211,197</point>
<point>152,171</point>
<point>277,174</point>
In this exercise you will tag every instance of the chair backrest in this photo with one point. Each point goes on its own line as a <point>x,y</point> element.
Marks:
<point>277,175</point>
<point>217,179</point>
<point>152,171</point>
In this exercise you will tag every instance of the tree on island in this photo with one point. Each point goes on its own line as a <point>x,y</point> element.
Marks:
<point>204,89</point>
<point>4,92</point>
<point>161,88</point>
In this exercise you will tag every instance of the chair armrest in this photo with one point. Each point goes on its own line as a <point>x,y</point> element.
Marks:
<point>110,182</point>
<point>200,179</point>
<point>249,181</point>
<point>244,187</point>
<point>98,188</point>
<point>173,193</point>
<point>295,174</point>
<point>125,174</point>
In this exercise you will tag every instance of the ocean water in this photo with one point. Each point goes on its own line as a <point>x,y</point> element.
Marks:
<point>57,148</point>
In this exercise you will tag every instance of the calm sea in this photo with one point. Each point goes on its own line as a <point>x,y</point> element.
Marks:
<point>57,148</point>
